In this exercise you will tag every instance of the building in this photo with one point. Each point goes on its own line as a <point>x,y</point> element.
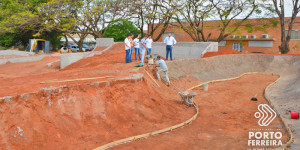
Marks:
<point>260,41</point>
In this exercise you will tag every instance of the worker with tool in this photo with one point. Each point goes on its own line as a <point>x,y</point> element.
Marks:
<point>164,68</point>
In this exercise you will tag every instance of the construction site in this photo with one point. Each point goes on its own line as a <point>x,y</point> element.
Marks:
<point>94,100</point>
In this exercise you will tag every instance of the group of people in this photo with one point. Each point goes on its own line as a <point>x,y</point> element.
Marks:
<point>146,44</point>
<point>140,47</point>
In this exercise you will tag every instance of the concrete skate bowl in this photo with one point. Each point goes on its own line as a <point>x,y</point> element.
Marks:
<point>87,115</point>
<point>284,94</point>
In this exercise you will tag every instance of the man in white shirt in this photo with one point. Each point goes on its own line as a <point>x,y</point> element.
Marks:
<point>136,42</point>
<point>164,68</point>
<point>143,48</point>
<point>127,48</point>
<point>149,44</point>
<point>170,42</point>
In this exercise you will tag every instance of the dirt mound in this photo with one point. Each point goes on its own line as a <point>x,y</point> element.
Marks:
<point>117,48</point>
<point>84,117</point>
<point>100,48</point>
<point>29,68</point>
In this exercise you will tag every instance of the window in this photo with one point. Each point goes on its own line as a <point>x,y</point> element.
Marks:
<point>295,35</point>
<point>260,43</point>
<point>222,43</point>
<point>237,46</point>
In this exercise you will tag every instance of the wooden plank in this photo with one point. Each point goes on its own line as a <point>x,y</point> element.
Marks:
<point>80,79</point>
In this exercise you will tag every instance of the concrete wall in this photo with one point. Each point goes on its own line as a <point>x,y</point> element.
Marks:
<point>15,52</point>
<point>101,42</point>
<point>185,50</point>
<point>70,58</point>
<point>21,59</point>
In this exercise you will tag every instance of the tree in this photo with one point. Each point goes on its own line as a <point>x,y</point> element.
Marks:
<point>157,14</point>
<point>192,16</point>
<point>286,35</point>
<point>99,15</point>
<point>19,20</point>
<point>64,18</point>
<point>120,29</point>
<point>228,10</point>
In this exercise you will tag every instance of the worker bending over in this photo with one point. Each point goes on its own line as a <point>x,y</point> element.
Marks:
<point>164,68</point>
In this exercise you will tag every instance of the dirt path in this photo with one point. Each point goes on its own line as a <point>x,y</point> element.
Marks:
<point>225,119</point>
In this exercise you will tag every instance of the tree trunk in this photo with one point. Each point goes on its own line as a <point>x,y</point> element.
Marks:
<point>67,42</point>
<point>284,47</point>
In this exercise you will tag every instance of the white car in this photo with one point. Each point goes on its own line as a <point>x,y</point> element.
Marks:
<point>74,48</point>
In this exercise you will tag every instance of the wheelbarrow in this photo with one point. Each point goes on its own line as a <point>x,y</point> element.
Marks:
<point>187,97</point>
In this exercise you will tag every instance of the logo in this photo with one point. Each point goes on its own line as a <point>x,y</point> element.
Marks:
<point>266,115</point>
<point>260,138</point>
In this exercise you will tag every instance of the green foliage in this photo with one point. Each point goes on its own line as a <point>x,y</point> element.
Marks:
<point>120,29</point>
<point>261,24</point>
<point>7,40</point>
<point>54,37</point>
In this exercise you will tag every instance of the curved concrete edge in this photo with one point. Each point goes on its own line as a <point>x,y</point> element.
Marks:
<point>289,142</point>
<point>284,94</point>
<point>70,58</point>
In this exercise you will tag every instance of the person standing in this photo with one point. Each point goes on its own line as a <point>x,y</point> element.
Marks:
<point>149,44</point>
<point>164,68</point>
<point>131,48</point>
<point>143,48</point>
<point>137,46</point>
<point>127,48</point>
<point>170,42</point>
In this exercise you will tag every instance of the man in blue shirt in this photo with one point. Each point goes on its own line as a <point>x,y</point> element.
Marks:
<point>164,68</point>
<point>170,42</point>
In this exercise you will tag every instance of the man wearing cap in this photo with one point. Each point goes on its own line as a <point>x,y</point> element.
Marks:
<point>164,68</point>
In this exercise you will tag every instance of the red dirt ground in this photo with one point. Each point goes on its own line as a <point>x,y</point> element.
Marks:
<point>87,117</point>
<point>213,129</point>
<point>100,48</point>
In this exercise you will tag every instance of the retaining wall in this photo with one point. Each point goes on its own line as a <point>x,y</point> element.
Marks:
<point>15,52</point>
<point>186,50</point>
<point>21,59</point>
<point>102,42</point>
<point>70,58</point>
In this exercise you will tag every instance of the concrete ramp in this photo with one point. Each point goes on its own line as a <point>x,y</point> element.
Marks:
<point>285,94</point>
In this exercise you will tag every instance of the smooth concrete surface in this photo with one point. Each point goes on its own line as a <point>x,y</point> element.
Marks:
<point>22,59</point>
<point>15,52</point>
<point>102,42</point>
<point>185,50</point>
<point>285,94</point>
<point>70,58</point>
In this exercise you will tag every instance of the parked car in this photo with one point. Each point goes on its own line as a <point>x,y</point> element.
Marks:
<point>91,49</point>
<point>85,48</point>
<point>74,48</point>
